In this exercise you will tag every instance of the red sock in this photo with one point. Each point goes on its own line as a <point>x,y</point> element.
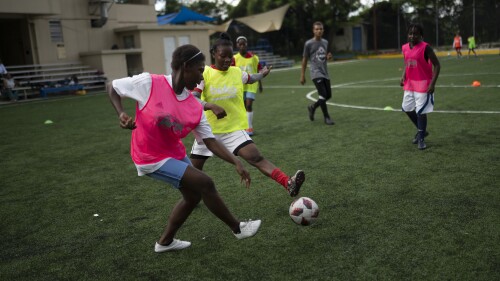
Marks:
<point>280,177</point>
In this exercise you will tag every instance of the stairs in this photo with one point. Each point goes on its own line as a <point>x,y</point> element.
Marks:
<point>31,79</point>
<point>268,58</point>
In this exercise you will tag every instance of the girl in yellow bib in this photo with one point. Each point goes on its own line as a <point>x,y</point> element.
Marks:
<point>221,94</point>
<point>249,62</point>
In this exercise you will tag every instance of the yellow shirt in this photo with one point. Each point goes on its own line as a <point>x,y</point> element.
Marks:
<point>249,65</point>
<point>225,89</point>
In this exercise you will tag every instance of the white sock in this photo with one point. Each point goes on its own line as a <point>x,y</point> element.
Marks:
<point>250,119</point>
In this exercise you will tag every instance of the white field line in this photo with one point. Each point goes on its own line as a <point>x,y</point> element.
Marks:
<point>358,84</point>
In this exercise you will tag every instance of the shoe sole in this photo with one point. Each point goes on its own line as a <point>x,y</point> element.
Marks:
<point>300,177</point>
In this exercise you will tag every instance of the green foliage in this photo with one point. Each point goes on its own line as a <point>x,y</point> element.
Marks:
<point>213,9</point>
<point>387,210</point>
<point>451,15</point>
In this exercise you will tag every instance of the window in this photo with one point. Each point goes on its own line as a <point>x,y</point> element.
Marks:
<point>128,42</point>
<point>56,34</point>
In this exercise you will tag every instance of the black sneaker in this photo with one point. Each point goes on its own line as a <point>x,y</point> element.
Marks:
<point>329,121</point>
<point>421,144</point>
<point>295,182</point>
<point>415,139</point>
<point>311,109</point>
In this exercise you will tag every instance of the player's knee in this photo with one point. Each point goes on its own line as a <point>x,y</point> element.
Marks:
<point>249,108</point>
<point>206,185</point>
<point>254,160</point>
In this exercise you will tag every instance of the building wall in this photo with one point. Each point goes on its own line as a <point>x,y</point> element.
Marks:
<point>81,41</point>
<point>344,43</point>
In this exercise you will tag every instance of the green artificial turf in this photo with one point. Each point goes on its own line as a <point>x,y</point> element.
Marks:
<point>73,208</point>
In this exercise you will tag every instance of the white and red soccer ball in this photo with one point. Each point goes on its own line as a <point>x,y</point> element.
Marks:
<point>304,211</point>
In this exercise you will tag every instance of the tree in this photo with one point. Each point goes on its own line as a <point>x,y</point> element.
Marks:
<point>297,25</point>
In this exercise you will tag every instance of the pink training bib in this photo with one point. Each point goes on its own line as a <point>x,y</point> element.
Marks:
<point>418,73</point>
<point>162,123</point>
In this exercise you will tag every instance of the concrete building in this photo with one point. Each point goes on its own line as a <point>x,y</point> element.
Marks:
<point>119,38</point>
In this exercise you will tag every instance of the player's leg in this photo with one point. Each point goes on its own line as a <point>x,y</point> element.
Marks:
<point>311,108</point>
<point>199,155</point>
<point>242,145</point>
<point>249,99</point>
<point>324,93</point>
<point>196,182</point>
<point>197,185</point>
<point>172,172</point>
<point>408,106</point>
<point>424,105</point>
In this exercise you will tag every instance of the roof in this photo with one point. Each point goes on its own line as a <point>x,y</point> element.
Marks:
<point>183,16</point>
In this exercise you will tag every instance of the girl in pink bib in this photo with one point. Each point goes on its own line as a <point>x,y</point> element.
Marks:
<point>166,112</point>
<point>418,81</point>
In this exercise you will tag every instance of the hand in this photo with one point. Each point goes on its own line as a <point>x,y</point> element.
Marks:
<point>265,71</point>
<point>430,90</point>
<point>402,82</point>
<point>245,175</point>
<point>302,80</point>
<point>219,111</point>
<point>126,122</point>
<point>329,56</point>
<point>260,89</point>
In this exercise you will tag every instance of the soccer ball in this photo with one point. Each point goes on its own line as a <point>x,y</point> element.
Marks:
<point>303,211</point>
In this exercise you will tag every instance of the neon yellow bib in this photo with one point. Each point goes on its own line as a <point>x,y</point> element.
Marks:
<point>225,89</point>
<point>249,65</point>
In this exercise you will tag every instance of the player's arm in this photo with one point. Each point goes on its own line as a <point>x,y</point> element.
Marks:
<point>429,52</point>
<point>203,133</point>
<point>303,70</point>
<point>126,122</point>
<point>219,111</point>
<point>259,68</point>
<point>252,78</point>
<point>221,151</point>
<point>402,81</point>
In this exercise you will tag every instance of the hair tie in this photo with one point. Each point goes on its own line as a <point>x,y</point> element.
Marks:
<point>193,57</point>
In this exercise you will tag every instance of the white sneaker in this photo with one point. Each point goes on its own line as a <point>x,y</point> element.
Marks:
<point>248,229</point>
<point>174,246</point>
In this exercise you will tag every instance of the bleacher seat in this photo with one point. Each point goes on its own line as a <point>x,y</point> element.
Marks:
<point>41,79</point>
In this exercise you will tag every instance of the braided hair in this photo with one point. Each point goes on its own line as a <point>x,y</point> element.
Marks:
<point>417,27</point>
<point>223,40</point>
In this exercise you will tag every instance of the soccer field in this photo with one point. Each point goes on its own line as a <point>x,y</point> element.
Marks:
<point>73,208</point>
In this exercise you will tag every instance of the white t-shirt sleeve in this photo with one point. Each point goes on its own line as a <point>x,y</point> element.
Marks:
<point>137,87</point>
<point>203,130</point>
<point>245,77</point>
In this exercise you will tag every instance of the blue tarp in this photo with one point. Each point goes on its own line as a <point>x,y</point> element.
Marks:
<point>183,16</point>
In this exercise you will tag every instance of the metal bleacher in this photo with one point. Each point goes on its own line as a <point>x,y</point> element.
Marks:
<point>271,59</point>
<point>39,79</point>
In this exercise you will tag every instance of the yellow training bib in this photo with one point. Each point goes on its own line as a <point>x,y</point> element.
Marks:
<point>225,89</point>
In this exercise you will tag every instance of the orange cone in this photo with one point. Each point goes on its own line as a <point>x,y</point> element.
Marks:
<point>476,83</point>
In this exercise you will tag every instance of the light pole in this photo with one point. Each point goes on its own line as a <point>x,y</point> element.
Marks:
<point>374,25</point>
<point>474,18</point>
<point>437,20</point>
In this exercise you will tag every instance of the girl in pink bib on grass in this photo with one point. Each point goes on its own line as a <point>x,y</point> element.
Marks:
<point>418,81</point>
<point>166,112</point>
